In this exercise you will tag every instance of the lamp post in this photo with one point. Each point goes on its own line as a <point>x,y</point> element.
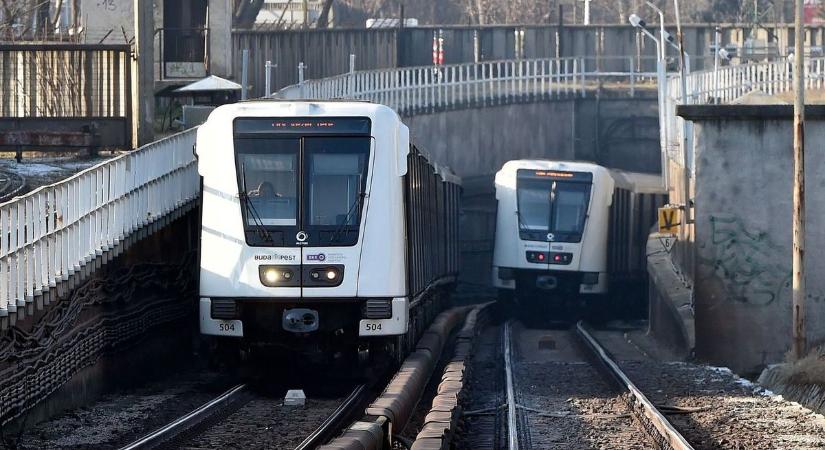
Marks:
<point>686,138</point>
<point>661,80</point>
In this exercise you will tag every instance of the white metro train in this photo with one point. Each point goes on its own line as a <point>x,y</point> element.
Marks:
<point>323,229</point>
<point>571,230</point>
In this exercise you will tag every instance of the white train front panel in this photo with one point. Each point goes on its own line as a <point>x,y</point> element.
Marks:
<point>552,227</point>
<point>290,190</point>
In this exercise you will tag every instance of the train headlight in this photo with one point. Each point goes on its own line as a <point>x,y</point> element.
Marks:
<point>325,276</point>
<point>274,276</point>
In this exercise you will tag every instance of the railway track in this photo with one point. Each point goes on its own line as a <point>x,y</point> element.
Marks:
<point>581,401</point>
<point>205,419</point>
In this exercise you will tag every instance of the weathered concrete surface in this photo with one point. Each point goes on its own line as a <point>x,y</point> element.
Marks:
<point>744,173</point>
<point>614,131</point>
<point>670,314</point>
<point>106,326</point>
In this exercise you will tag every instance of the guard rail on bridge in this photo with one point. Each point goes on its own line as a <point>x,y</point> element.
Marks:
<point>725,85</point>
<point>53,232</point>
<point>415,90</point>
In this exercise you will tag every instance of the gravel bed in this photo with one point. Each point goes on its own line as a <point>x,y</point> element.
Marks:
<point>122,417</point>
<point>570,405</point>
<point>735,414</point>
<point>485,390</point>
<point>265,423</point>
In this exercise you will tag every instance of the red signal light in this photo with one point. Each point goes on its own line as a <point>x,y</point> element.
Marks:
<point>557,257</point>
<point>541,256</point>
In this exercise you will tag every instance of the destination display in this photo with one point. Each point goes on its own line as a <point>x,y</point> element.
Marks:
<point>556,175</point>
<point>303,125</point>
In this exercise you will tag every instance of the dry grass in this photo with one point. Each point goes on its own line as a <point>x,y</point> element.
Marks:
<point>809,370</point>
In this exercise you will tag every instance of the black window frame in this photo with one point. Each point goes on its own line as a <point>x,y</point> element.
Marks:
<point>286,235</point>
<point>554,177</point>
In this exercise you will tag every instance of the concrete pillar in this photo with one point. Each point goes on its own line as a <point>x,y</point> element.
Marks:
<point>220,38</point>
<point>143,81</point>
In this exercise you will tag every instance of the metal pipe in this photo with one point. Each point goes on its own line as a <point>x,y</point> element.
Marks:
<point>798,265</point>
<point>662,49</point>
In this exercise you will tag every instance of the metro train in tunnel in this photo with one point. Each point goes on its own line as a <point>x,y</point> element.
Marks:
<point>325,232</point>
<point>572,232</point>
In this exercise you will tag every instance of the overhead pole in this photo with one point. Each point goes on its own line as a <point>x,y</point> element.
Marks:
<point>685,138</point>
<point>799,339</point>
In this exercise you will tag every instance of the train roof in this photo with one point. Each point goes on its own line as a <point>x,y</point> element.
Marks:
<point>546,164</point>
<point>633,181</point>
<point>304,108</point>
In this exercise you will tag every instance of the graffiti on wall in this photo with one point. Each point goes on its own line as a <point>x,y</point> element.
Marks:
<point>751,266</point>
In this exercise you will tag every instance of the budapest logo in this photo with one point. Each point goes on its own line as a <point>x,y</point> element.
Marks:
<point>319,257</point>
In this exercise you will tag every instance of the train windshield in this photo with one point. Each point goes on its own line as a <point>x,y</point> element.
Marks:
<point>302,181</point>
<point>269,172</point>
<point>336,173</point>
<point>552,206</point>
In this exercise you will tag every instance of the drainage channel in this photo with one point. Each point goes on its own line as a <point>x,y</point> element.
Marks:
<point>575,398</point>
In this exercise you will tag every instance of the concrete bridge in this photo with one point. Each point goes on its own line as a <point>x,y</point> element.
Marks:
<point>58,236</point>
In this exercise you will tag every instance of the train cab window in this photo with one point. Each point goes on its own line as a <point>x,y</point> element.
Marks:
<point>570,204</point>
<point>552,203</point>
<point>268,172</point>
<point>336,174</point>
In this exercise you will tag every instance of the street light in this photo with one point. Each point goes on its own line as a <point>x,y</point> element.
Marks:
<point>662,31</point>
<point>661,80</point>
<point>672,41</point>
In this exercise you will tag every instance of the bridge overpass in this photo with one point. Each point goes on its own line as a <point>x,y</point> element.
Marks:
<point>60,235</point>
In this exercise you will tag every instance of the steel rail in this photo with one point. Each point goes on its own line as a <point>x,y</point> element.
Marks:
<point>667,434</point>
<point>512,419</point>
<point>336,420</point>
<point>182,424</point>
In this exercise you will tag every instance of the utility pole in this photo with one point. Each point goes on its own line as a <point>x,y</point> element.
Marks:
<point>686,140</point>
<point>799,341</point>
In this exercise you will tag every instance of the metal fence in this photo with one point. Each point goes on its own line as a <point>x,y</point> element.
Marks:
<point>51,233</point>
<point>725,85</point>
<point>414,90</point>
<point>65,80</point>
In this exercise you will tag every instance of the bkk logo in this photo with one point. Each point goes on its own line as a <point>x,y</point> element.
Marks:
<point>319,257</point>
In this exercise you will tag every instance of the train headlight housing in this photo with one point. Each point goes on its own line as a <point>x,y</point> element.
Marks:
<point>276,276</point>
<point>326,276</point>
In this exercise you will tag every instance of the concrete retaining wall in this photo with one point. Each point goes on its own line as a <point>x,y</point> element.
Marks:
<point>744,175</point>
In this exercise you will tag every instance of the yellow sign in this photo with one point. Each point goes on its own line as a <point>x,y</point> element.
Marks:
<point>669,219</point>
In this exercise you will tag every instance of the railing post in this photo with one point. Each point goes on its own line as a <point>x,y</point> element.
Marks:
<point>268,78</point>
<point>351,77</point>
<point>301,86</point>
<point>244,74</point>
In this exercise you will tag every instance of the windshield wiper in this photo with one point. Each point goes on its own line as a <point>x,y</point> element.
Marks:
<point>263,233</point>
<point>359,200</point>
<point>521,225</point>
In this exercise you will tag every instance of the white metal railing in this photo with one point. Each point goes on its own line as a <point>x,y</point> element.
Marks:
<point>412,89</point>
<point>725,85</point>
<point>52,232</point>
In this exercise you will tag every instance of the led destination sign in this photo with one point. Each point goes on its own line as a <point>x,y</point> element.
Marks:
<point>556,175</point>
<point>302,125</point>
